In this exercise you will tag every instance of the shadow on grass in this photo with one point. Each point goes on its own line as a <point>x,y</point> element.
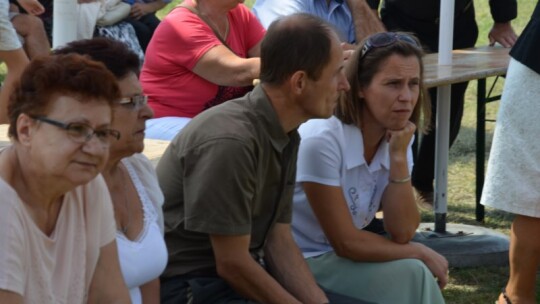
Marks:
<point>465,214</point>
<point>476,285</point>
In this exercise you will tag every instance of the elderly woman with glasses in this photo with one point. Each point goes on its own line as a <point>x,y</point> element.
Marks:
<point>357,163</point>
<point>57,224</point>
<point>129,175</point>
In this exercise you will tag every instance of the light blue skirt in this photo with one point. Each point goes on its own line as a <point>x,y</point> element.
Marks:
<point>406,281</point>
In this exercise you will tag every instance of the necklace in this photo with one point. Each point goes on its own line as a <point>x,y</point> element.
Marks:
<point>222,35</point>
<point>211,23</point>
<point>125,227</point>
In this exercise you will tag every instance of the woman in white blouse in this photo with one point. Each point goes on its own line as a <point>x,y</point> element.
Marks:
<point>130,176</point>
<point>358,162</point>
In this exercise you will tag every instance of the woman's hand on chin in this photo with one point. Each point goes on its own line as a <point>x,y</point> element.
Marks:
<point>398,140</point>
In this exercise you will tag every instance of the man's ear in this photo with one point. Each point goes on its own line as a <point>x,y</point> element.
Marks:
<point>25,128</point>
<point>298,82</point>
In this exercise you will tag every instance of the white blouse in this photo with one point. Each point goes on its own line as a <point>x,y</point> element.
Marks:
<point>332,153</point>
<point>144,258</point>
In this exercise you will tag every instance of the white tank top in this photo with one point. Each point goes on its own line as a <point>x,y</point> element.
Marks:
<point>144,258</point>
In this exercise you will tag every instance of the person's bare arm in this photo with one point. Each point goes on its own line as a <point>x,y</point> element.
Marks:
<point>287,265</point>
<point>331,210</point>
<point>236,266</point>
<point>7,296</point>
<point>255,51</point>
<point>221,66</point>
<point>32,6</point>
<point>140,9</point>
<point>150,292</point>
<point>107,284</point>
<point>401,216</point>
<point>366,22</point>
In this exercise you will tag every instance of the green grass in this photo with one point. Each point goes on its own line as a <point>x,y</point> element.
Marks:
<point>470,285</point>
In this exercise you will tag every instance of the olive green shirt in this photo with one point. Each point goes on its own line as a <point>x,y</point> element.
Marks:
<point>231,171</point>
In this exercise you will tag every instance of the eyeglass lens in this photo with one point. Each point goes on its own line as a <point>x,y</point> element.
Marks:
<point>81,132</point>
<point>136,101</point>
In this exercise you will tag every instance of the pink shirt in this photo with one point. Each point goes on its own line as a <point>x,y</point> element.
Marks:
<point>57,268</point>
<point>177,45</point>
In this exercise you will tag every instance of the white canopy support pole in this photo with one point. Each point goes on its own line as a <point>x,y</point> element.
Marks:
<point>65,14</point>
<point>446,34</point>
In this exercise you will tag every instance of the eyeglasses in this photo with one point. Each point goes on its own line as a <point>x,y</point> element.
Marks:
<point>80,132</point>
<point>385,39</point>
<point>134,102</point>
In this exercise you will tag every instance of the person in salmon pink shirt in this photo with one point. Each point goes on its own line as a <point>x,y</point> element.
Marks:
<point>203,53</point>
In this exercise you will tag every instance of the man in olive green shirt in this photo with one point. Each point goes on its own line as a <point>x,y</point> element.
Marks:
<point>228,178</point>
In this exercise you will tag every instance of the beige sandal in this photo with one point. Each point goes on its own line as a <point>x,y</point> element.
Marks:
<point>505,297</point>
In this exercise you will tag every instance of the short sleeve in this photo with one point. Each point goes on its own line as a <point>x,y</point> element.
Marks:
<point>183,38</point>
<point>12,243</point>
<point>219,185</point>
<point>319,161</point>
<point>269,10</point>
<point>103,205</point>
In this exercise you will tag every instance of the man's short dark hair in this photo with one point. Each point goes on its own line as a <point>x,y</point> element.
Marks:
<point>298,42</point>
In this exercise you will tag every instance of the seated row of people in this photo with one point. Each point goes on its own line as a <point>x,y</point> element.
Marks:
<point>376,118</point>
<point>60,226</point>
<point>129,175</point>
<point>231,199</point>
<point>134,27</point>
<point>235,204</point>
<point>30,21</point>
<point>219,40</point>
<point>220,43</point>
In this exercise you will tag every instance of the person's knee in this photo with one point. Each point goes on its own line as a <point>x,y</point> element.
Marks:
<point>36,26</point>
<point>20,24</point>
<point>413,268</point>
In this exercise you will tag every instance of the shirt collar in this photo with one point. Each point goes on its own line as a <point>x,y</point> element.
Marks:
<point>354,150</point>
<point>266,115</point>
